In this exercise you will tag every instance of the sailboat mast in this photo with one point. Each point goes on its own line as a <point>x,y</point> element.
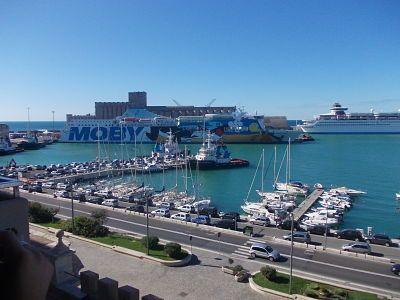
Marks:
<point>274,166</point>
<point>287,164</point>
<point>262,172</point>
<point>289,161</point>
<point>98,146</point>
<point>186,171</point>
<point>122,149</point>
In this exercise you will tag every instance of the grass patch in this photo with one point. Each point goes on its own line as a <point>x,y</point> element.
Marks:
<point>114,239</point>
<point>56,224</point>
<point>134,244</point>
<point>301,286</point>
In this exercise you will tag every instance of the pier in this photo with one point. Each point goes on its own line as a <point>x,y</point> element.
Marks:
<point>306,204</point>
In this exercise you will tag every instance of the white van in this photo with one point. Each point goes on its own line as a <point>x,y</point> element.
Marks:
<point>110,202</point>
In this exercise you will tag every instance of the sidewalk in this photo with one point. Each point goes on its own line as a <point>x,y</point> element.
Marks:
<point>203,280</point>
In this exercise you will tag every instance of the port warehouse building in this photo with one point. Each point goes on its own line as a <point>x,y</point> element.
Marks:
<point>138,100</point>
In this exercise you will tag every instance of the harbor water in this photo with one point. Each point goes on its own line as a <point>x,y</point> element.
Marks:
<point>366,162</point>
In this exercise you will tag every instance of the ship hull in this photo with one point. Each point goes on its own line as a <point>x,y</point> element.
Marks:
<point>211,165</point>
<point>352,127</point>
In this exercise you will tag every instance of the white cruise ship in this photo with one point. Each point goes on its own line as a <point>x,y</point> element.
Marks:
<point>337,121</point>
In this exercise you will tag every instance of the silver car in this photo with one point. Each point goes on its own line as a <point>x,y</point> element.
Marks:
<point>264,251</point>
<point>357,247</point>
<point>298,236</point>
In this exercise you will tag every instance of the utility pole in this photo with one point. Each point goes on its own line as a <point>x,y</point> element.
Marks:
<point>326,229</point>
<point>291,254</point>
<point>29,120</point>
<point>147,221</point>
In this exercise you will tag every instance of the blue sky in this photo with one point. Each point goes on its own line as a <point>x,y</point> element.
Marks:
<point>289,58</point>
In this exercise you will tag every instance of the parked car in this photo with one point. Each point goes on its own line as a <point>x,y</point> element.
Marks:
<point>287,225</point>
<point>166,205</point>
<point>350,234</point>
<point>110,202</point>
<point>317,229</point>
<point>231,215</point>
<point>25,186</point>
<point>136,208</point>
<point>395,269</point>
<point>201,219</point>
<point>380,239</point>
<point>63,194</point>
<point>94,199</point>
<point>35,188</point>
<point>187,208</point>
<point>260,220</point>
<point>225,223</point>
<point>357,247</point>
<point>161,212</point>
<point>49,185</point>
<point>298,236</point>
<point>80,196</point>
<point>264,251</point>
<point>209,211</point>
<point>181,216</point>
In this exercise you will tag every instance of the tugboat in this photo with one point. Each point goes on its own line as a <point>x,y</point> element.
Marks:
<point>211,157</point>
<point>168,149</point>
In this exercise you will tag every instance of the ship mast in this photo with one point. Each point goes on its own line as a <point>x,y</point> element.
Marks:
<point>262,172</point>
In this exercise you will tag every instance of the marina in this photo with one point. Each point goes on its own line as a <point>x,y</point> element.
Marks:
<point>310,163</point>
<point>308,202</point>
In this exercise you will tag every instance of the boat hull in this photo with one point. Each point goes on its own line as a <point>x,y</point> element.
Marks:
<point>211,165</point>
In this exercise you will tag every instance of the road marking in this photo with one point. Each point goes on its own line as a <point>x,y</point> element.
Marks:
<point>236,245</point>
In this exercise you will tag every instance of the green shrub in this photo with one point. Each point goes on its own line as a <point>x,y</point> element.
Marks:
<point>173,250</point>
<point>314,286</point>
<point>268,272</point>
<point>342,293</point>
<point>100,215</point>
<point>153,242</point>
<point>311,293</point>
<point>236,269</point>
<point>39,214</point>
<point>86,227</point>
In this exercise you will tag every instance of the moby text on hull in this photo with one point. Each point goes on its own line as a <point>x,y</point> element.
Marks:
<point>337,121</point>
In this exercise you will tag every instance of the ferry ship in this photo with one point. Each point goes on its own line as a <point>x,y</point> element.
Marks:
<point>142,126</point>
<point>337,121</point>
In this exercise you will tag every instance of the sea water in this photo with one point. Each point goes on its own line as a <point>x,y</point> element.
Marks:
<point>370,163</point>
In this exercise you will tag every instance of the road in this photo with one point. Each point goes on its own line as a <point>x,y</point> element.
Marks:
<point>359,271</point>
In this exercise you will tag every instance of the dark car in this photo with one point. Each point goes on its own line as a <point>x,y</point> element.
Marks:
<point>25,187</point>
<point>395,269</point>
<point>209,211</point>
<point>94,200</point>
<point>319,229</point>
<point>225,223</point>
<point>380,239</point>
<point>35,188</point>
<point>201,219</point>
<point>80,196</point>
<point>143,202</point>
<point>231,216</point>
<point>136,208</point>
<point>350,234</point>
<point>287,225</point>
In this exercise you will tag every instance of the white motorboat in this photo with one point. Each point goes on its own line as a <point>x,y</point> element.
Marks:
<point>348,191</point>
<point>398,196</point>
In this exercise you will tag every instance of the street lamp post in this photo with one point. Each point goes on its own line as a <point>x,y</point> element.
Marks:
<point>147,221</point>
<point>291,254</point>
<point>326,229</point>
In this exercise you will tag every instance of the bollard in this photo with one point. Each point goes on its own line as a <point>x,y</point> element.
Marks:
<point>89,283</point>
<point>108,289</point>
<point>127,292</point>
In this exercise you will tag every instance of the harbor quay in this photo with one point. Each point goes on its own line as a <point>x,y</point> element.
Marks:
<point>368,273</point>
